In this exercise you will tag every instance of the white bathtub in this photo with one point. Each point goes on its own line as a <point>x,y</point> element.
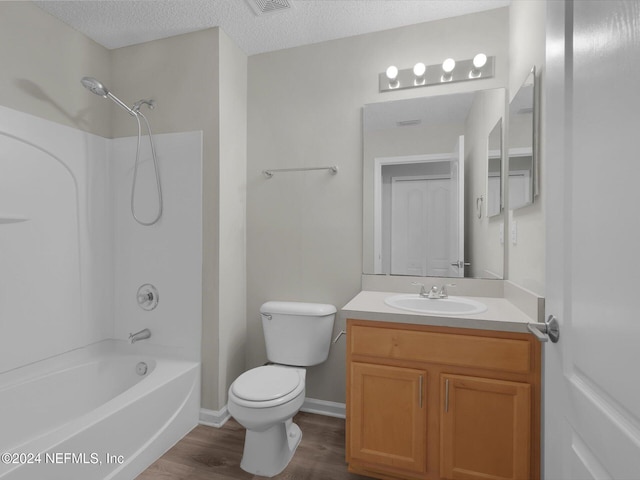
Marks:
<point>88,414</point>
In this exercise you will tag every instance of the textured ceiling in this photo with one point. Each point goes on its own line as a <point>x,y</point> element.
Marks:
<point>115,24</point>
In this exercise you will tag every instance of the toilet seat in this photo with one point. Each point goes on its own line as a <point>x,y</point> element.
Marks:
<point>267,386</point>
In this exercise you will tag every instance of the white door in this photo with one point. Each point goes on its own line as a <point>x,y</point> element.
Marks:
<point>456,215</point>
<point>419,233</point>
<point>592,158</point>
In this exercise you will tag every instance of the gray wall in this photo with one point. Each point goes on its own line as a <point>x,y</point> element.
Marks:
<point>305,229</point>
<point>42,61</point>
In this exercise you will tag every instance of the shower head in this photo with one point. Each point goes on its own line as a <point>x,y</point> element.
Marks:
<point>94,86</point>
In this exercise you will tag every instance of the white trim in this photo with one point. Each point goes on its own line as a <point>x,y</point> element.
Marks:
<point>324,407</point>
<point>214,418</point>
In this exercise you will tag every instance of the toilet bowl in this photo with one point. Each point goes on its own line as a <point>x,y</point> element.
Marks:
<point>264,399</point>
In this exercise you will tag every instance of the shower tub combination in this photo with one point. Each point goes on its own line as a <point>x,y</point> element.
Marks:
<point>105,411</point>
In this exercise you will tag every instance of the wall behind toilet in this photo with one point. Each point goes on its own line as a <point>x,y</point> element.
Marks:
<point>304,229</point>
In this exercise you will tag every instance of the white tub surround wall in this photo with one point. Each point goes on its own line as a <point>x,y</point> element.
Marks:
<point>63,194</point>
<point>168,254</point>
<point>304,229</point>
<point>56,276</point>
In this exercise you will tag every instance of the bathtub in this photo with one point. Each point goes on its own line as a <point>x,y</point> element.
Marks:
<point>106,411</point>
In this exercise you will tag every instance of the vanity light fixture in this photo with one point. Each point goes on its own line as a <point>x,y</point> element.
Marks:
<point>421,75</point>
<point>392,76</point>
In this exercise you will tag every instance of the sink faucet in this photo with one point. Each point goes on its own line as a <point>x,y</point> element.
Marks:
<point>434,292</point>
<point>423,293</point>
<point>443,290</point>
<point>141,335</point>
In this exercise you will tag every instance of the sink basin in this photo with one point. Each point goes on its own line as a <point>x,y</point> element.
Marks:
<point>441,306</point>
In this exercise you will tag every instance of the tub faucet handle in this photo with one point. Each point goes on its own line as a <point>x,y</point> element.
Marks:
<point>147,297</point>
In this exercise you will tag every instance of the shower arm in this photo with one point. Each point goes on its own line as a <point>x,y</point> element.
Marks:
<point>121,103</point>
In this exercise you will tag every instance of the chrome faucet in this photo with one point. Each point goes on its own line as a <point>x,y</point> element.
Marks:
<point>423,293</point>
<point>443,290</point>
<point>434,292</point>
<point>141,335</point>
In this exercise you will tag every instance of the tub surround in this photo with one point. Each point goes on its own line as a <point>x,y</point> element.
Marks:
<point>86,258</point>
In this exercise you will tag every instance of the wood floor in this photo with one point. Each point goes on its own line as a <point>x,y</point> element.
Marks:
<point>208,453</point>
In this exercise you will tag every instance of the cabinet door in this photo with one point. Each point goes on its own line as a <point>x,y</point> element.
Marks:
<point>387,413</point>
<point>485,428</point>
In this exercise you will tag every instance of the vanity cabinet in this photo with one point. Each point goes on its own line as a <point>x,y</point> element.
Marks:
<point>389,424</point>
<point>485,428</point>
<point>434,403</point>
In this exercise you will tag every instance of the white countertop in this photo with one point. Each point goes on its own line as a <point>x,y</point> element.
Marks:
<point>501,314</point>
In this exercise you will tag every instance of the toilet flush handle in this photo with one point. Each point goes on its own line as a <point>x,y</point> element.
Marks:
<point>342,332</point>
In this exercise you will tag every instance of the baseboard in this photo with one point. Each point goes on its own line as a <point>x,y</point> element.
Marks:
<point>324,407</point>
<point>214,418</point>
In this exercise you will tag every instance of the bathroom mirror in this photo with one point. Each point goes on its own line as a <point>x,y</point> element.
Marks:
<point>425,162</point>
<point>521,140</point>
<point>494,171</point>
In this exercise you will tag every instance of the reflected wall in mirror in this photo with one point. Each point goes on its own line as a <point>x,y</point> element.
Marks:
<point>522,151</point>
<point>494,171</point>
<point>424,159</point>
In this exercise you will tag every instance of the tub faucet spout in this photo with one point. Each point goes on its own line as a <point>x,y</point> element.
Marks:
<point>141,335</point>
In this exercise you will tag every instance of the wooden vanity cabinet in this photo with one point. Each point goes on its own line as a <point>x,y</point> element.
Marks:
<point>442,403</point>
<point>390,425</point>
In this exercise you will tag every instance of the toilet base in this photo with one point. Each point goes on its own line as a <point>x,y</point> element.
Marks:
<point>267,453</point>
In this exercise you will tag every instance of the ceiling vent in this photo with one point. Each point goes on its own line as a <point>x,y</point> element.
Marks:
<point>264,7</point>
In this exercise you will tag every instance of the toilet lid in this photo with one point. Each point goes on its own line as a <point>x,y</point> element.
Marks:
<point>266,383</point>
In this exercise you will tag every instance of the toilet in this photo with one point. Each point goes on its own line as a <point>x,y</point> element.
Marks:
<point>264,399</point>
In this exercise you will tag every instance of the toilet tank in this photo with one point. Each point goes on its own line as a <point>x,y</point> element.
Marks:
<point>297,333</point>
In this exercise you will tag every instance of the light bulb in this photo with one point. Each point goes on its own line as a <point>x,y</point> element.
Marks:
<point>419,69</point>
<point>392,73</point>
<point>448,65</point>
<point>479,60</point>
